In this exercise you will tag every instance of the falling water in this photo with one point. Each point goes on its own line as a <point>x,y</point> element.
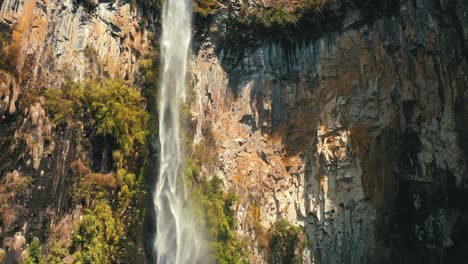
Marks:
<point>177,239</point>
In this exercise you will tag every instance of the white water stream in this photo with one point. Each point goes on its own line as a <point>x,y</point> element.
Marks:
<point>177,238</point>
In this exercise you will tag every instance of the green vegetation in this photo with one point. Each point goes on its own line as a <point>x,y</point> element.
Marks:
<point>286,243</point>
<point>286,21</point>
<point>56,254</point>
<point>34,253</point>
<point>112,112</point>
<point>214,207</point>
<point>97,236</point>
<point>109,108</point>
<point>205,8</point>
<point>150,71</point>
<point>274,17</point>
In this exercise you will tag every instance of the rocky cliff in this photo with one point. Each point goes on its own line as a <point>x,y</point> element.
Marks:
<point>47,43</point>
<point>348,122</point>
<point>355,133</point>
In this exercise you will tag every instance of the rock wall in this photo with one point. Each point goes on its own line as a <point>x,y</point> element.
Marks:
<point>63,38</point>
<point>57,41</point>
<point>356,135</point>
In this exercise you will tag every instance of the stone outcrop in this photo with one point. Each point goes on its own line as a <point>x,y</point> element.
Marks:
<point>356,135</point>
<point>63,39</point>
<point>17,248</point>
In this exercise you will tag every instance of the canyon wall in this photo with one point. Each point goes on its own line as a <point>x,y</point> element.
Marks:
<point>357,134</point>
<point>55,41</point>
<point>354,132</point>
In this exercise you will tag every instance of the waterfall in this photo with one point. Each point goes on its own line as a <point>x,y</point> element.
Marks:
<point>177,239</point>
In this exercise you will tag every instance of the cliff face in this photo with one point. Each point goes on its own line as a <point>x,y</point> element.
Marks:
<point>70,38</point>
<point>357,135</point>
<point>54,41</point>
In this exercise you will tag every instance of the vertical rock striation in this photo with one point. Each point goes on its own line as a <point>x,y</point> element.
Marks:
<point>64,39</point>
<point>356,135</point>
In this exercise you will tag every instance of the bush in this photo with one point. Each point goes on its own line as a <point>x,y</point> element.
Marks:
<point>97,236</point>
<point>112,112</point>
<point>214,208</point>
<point>56,254</point>
<point>34,253</point>
<point>205,8</point>
<point>287,21</point>
<point>287,243</point>
<point>108,108</point>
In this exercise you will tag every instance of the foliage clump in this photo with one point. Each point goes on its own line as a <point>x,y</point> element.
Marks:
<point>56,254</point>
<point>97,237</point>
<point>205,8</point>
<point>112,112</point>
<point>108,108</point>
<point>286,243</point>
<point>285,21</point>
<point>34,253</point>
<point>214,208</point>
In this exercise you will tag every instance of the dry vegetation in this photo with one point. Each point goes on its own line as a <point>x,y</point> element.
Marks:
<point>9,52</point>
<point>13,188</point>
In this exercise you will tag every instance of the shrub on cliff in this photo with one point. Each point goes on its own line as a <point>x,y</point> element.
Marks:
<point>107,108</point>
<point>214,208</point>
<point>205,8</point>
<point>290,21</point>
<point>56,254</point>
<point>287,243</point>
<point>285,20</point>
<point>97,236</point>
<point>34,253</point>
<point>112,112</point>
